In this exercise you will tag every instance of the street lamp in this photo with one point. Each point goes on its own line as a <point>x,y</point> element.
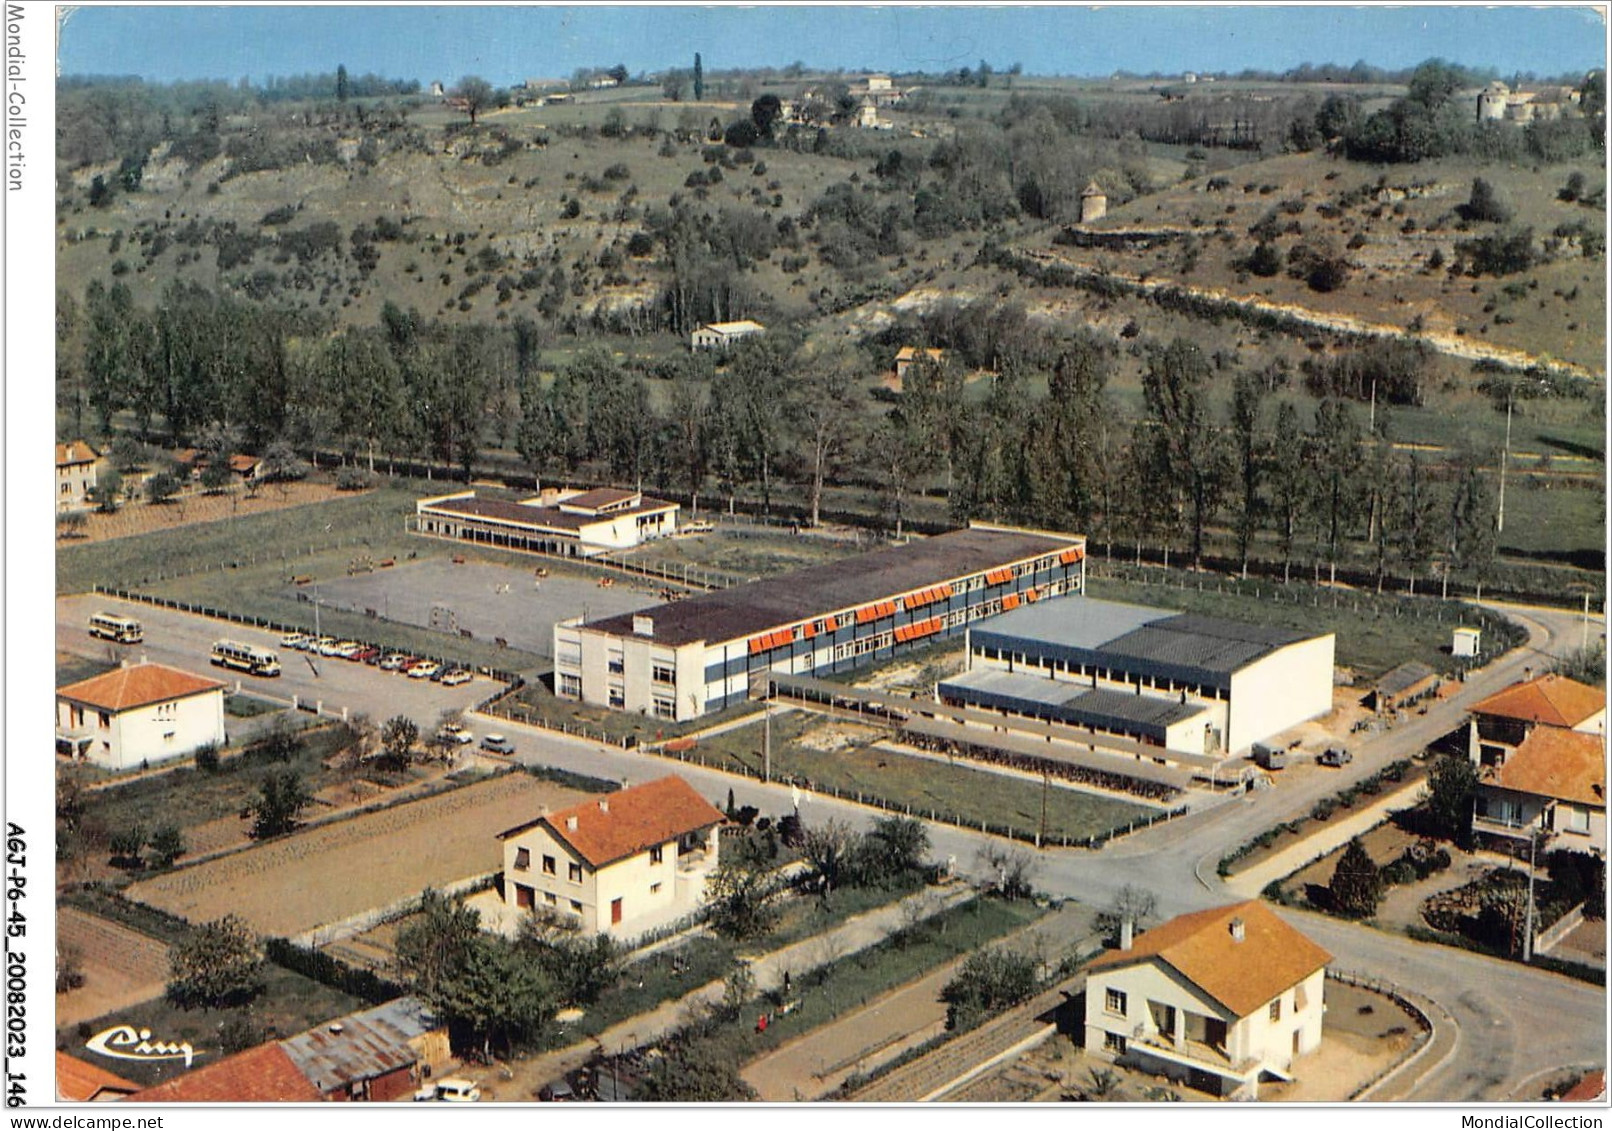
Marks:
<point>1534,839</point>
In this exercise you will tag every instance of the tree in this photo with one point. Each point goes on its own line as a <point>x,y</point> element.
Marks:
<point>1335,497</point>
<point>127,844</point>
<point>280,801</point>
<point>127,454</point>
<point>694,1071</point>
<point>579,965</point>
<point>70,524</point>
<point>1188,452</point>
<point>436,940</point>
<point>1485,204</point>
<point>167,845</point>
<point>342,88</point>
<point>699,79</point>
<point>492,994</point>
<point>1289,469</point>
<point>827,407</point>
<point>1433,83</point>
<point>1416,518</point>
<point>108,490</point>
<point>674,84</point>
<point>1131,903</point>
<point>160,488</point>
<point>831,850</point>
<point>988,981</point>
<point>69,967</point>
<point>218,964</point>
<point>398,737</point>
<point>476,93</point>
<point>1356,887</point>
<point>740,901</point>
<point>1472,521</point>
<point>1246,405</point>
<point>1011,870</point>
<point>1264,261</point>
<point>893,851</point>
<point>1452,785</point>
<point>764,111</point>
<point>216,476</point>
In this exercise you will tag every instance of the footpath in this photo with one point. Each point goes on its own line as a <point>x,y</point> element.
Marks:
<point>520,1081</point>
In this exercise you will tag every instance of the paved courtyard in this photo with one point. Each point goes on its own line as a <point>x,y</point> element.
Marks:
<point>483,598</point>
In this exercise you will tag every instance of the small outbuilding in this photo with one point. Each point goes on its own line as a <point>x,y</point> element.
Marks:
<point>722,335</point>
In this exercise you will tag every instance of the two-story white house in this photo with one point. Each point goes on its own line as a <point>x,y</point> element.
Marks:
<point>1218,999</point>
<point>75,475</point>
<point>138,713</point>
<point>623,863</point>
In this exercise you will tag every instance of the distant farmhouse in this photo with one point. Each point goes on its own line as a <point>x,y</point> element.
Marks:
<point>75,475</point>
<point>721,335</point>
<point>1499,103</point>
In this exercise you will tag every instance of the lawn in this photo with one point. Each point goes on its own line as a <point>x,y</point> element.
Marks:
<point>1373,633</point>
<point>740,553</point>
<point>925,787</point>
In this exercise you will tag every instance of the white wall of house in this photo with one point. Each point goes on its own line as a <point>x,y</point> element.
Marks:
<point>1273,1041</point>
<point>1280,690</point>
<point>651,885</point>
<point>152,733</point>
<point>74,482</point>
<point>1576,827</point>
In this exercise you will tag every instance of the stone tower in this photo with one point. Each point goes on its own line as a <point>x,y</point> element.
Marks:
<point>1093,204</point>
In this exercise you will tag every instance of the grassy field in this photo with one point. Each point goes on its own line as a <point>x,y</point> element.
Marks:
<point>951,792</point>
<point>1373,633</point>
<point>742,551</point>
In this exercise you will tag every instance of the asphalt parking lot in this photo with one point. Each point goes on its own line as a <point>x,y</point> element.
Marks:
<point>184,640</point>
<point>481,598</point>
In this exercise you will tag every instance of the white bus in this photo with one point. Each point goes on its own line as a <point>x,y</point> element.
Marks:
<point>245,658</point>
<point>123,630</point>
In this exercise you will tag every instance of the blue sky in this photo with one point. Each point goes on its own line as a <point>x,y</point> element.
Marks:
<point>509,43</point>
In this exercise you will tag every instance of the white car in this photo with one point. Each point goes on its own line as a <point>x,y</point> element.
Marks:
<point>326,645</point>
<point>424,670</point>
<point>455,678</point>
<point>393,661</point>
<point>498,744</point>
<point>296,640</point>
<point>453,1090</point>
<point>459,736</point>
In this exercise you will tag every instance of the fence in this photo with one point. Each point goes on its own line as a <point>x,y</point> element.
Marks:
<point>268,624</point>
<point>862,797</point>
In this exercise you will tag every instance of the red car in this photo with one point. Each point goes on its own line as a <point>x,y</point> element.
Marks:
<point>369,656</point>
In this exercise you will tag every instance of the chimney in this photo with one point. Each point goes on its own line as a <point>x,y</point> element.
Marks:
<point>571,824</point>
<point>1527,674</point>
<point>642,625</point>
<point>1237,931</point>
<point>1127,931</point>
<point>604,805</point>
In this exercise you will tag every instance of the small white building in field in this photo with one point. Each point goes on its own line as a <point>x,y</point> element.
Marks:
<point>721,335</point>
<point>1217,999</point>
<point>621,864</point>
<point>137,714</point>
<point>570,522</point>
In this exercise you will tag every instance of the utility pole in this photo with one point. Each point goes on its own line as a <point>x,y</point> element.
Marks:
<point>1505,455</point>
<point>766,740</point>
<point>1041,833</point>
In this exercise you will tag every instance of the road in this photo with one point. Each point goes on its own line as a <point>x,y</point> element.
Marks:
<point>1514,1021</point>
<point>185,640</point>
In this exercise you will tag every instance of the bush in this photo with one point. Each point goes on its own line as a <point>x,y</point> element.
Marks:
<point>989,981</point>
<point>354,479</point>
<point>207,758</point>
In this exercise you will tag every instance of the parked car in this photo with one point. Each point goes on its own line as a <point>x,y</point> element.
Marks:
<point>296,640</point>
<point>452,1090</point>
<point>424,669</point>
<point>392,661</point>
<point>326,645</point>
<point>1334,756</point>
<point>455,677</point>
<point>348,649</point>
<point>559,1092</point>
<point>498,744</point>
<point>369,655</point>
<point>457,735</point>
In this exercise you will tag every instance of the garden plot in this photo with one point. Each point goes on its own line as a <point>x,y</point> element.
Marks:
<point>335,871</point>
<point>485,600</point>
<point>121,967</point>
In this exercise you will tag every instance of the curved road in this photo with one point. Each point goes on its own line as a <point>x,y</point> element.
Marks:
<point>1513,1021</point>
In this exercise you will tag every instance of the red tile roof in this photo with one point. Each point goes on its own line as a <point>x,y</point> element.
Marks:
<point>1552,762</point>
<point>598,498</point>
<point>617,825</point>
<point>79,1081</point>
<point>1587,1090</point>
<point>136,686</point>
<point>1552,699</point>
<point>264,1074</point>
<point>1243,976</point>
<point>75,451</point>
<point>243,464</point>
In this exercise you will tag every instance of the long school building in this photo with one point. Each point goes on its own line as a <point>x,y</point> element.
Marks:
<point>681,660</point>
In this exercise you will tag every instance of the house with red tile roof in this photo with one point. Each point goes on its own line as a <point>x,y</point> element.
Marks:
<point>1501,722</point>
<point>620,864</point>
<point>137,714</point>
<point>1590,1089</point>
<point>265,1074</point>
<point>79,1081</point>
<point>1554,781</point>
<point>75,475</point>
<point>1218,999</point>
